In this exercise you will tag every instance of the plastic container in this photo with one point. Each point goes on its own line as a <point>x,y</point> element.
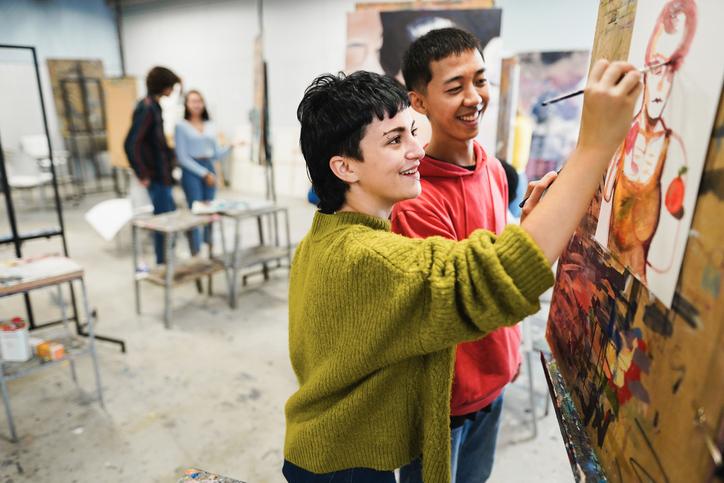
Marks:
<point>15,340</point>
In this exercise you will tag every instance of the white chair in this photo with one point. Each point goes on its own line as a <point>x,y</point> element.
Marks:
<point>25,175</point>
<point>36,146</point>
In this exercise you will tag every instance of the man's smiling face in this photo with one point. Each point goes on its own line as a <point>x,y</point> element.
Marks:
<point>457,95</point>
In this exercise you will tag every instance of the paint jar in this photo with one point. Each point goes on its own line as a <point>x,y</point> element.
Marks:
<point>15,340</point>
<point>50,350</point>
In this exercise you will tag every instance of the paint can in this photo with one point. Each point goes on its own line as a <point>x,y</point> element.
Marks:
<point>15,340</point>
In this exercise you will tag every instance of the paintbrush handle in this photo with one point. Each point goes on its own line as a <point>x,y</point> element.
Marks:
<point>578,93</point>
<point>561,98</point>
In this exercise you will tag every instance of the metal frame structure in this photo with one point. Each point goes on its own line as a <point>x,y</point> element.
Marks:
<point>17,238</point>
<point>15,370</point>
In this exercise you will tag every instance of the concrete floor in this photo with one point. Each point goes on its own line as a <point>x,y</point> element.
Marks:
<point>208,393</point>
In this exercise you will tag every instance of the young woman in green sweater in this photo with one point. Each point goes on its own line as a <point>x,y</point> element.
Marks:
<point>374,317</point>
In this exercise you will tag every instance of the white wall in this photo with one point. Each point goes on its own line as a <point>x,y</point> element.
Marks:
<point>536,26</point>
<point>210,45</point>
<point>79,29</point>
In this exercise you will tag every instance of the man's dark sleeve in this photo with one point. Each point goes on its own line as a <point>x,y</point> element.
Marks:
<point>137,135</point>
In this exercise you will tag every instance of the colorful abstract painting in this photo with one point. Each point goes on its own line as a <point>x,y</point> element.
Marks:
<point>646,378</point>
<point>544,75</point>
<point>377,40</point>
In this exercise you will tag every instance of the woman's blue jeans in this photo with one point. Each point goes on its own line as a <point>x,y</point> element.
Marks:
<point>196,189</point>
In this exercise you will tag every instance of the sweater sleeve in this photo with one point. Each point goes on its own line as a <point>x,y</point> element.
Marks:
<point>182,153</point>
<point>471,287</point>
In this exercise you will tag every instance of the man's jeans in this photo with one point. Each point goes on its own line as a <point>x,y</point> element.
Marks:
<point>162,200</point>
<point>472,448</point>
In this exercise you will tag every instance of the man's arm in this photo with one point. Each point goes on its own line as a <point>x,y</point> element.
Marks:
<point>133,145</point>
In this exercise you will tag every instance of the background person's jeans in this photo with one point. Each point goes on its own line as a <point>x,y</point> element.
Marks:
<point>162,201</point>
<point>472,448</point>
<point>196,189</point>
<point>295,474</point>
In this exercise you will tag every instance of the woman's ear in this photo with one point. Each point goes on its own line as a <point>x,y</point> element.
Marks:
<point>343,168</point>
<point>418,102</point>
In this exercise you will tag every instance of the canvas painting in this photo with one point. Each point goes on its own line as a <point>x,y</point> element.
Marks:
<point>652,182</point>
<point>377,40</point>
<point>64,75</point>
<point>544,75</point>
<point>646,378</point>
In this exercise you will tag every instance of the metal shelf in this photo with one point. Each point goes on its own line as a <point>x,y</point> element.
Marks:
<point>186,271</point>
<point>74,347</point>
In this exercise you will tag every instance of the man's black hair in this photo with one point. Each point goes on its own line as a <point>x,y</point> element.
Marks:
<point>434,45</point>
<point>159,79</point>
<point>334,113</point>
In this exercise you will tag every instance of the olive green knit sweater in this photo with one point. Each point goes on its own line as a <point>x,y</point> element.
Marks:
<point>373,321</point>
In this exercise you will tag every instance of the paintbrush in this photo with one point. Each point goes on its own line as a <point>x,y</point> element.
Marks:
<point>526,198</point>
<point>579,92</point>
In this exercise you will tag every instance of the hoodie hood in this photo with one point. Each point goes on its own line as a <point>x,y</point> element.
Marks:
<point>434,168</point>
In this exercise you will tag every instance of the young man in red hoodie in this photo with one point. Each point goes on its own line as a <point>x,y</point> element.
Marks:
<point>463,189</point>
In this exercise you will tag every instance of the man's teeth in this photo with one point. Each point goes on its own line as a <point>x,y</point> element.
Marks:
<point>470,117</point>
<point>409,171</point>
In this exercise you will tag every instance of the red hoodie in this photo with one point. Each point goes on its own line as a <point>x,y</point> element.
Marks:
<point>454,202</point>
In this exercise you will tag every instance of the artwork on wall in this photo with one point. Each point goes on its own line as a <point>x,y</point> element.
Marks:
<point>68,94</point>
<point>646,377</point>
<point>120,95</point>
<point>544,75</point>
<point>652,182</point>
<point>426,4</point>
<point>377,40</point>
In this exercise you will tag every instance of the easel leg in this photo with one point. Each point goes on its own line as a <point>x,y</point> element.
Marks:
<point>61,302</point>
<point>170,242</point>
<point>8,411</point>
<point>92,343</point>
<point>136,288</point>
<point>235,263</point>
<point>531,394</point>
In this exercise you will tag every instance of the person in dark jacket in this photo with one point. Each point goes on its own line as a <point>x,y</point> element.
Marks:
<point>148,154</point>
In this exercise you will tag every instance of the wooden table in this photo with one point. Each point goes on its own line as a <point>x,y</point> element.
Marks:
<point>19,276</point>
<point>171,225</point>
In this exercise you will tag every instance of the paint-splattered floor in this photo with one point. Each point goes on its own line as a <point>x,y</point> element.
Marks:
<point>207,394</point>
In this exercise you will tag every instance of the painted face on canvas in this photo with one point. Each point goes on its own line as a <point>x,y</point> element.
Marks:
<point>364,40</point>
<point>669,44</point>
<point>658,81</point>
<point>457,95</point>
<point>391,155</point>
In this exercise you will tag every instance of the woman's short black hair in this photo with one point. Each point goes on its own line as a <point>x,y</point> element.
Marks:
<point>434,45</point>
<point>334,113</point>
<point>159,79</point>
<point>187,113</point>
